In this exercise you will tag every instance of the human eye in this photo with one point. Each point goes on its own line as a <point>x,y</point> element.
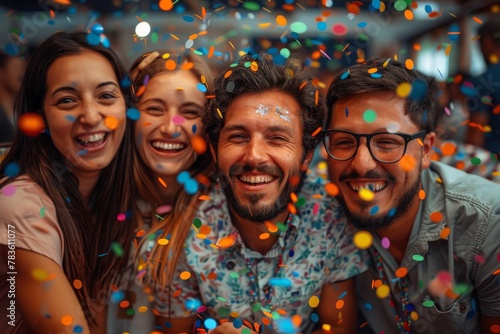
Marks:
<point>387,141</point>
<point>342,141</point>
<point>190,113</point>
<point>236,137</point>
<point>152,110</point>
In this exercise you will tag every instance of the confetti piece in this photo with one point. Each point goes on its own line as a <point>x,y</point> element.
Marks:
<point>417,257</point>
<point>369,116</point>
<point>185,275</point>
<point>386,243</point>
<point>445,233</point>
<point>382,291</point>
<point>314,301</point>
<point>332,189</point>
<point>366,194</point>
<point>31,124</point>
<point>199,144</point>
<point>407,163</point>
<point>401,272</point>
<point>117,249</point>
<point>421,194</point>
<point>67,320</point>
<point>436,216</point>
<point>77,284</point>
<point>403,90</point>
<point>39,274</point>
<point>163,242</point>
<point>363,239</point>
<point>339,304</point>
<point>162,182</point>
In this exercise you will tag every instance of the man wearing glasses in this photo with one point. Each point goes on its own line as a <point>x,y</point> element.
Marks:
<point>435,249</point>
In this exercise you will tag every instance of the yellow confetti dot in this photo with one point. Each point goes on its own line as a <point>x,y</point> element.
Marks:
<point>382,291</point>
<point>162,241</point>
<point>142,309</point>
<point>67,320</point>
<point>363,239</point>
<point>111,122</point>
<point>326,327</point>
<point>39,274</point>
<point>77,284</point>
<point>401,272</point>
<point>366,194</point>
<point>403,90</point>
<point>234,314</point>
<point>414,316</point>
<point>281,20</point>
<point>314,301</point>
<point>254,66</point>
<point>185,275</point>
<point>372,70</point>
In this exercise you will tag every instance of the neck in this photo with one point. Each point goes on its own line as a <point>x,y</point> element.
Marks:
<point>250,232</point>
<point>167,193</point>
<point>399,232</point>
<point>86,182</point>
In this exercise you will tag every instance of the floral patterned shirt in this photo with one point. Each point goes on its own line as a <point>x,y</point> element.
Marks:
<point>220,278</point>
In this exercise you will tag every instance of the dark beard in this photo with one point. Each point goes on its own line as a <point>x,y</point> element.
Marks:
<point>383,221</point>
<point>261,213</point>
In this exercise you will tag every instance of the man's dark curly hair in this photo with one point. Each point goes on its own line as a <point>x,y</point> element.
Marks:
<point>420,104</point>
<point>258,73</point>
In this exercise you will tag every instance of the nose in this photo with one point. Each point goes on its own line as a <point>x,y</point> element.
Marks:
<point>363,161</point>
<point>90,114</point>
<point>255,152</point>
<point>168,127</point>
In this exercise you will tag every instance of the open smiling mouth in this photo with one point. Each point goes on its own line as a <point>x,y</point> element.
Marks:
<point>92,140</point>
<point>256,179</point>
<point>373,186</point>
<point>168,147</point>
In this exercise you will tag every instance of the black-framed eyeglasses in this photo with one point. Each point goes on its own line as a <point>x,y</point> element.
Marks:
<point>386,147</point>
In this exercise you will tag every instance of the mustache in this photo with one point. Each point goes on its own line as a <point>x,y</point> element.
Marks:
<point>369,175</point>
<point>246,168</point>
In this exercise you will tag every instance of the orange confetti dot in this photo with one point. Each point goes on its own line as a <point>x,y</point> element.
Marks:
<point>185,275</point>
<point>417,47</point>
<point>436,216</point>
<point>140,233</point>
<point>227,74</point>
<point>495,329</point>
<point>164,185</point>
<point>111,122</point>
<point>266,321</point>
<point>281,20</point>
<point>67,320</point>
<point>496,109</point>
<point>205,229</point>
<point>204,198</point>
<point>372,70</point>
<point>293,197</point>
<point>478,20</point>
<point>292,209</point>
<point>407,163</point>
<point>199,144</point>
<point>212,275</point>
<point>187,66</point>
<point>166,5</point>
<point>31,124</point>
<point>332,189</point>
<point>353,9</point>
<point>408,15</point>
<point>140,91</point>
<point>170,65</point>
<point>297,320</point>
<point>445,233</point>
<point>409,64</point>
<point>339,304</point>
<point>460,165</point>
<point>264,236</point>
<point>77,284</point>
<point>448,148</point>
<point>377,283</point>
<point>421,194</point>
<point>254,66</point>
<point>124,303</point>
<point>401,272</point>
<point>226,242</point>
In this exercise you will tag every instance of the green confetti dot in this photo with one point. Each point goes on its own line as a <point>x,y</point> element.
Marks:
<point>246,330</point>
<point>42,212</point>
<point>256,307</point>
<point>250,5</point>
<point>154,37</point>
<point>223,312</point>
<point>369,116</point>
<point>428,303</point>
<point>234,275</point>
<point>117,249</point>
<point>462,289</point>
<point>298,27</point>
<point>300,202</point>
<point>247,64</point>
<point>418,258</point>
<point>400,5</point>
<point>285,52</point>
<point>475,161</point>
<point>197,222</point>
<point>222,299</point>
<point>281,227</point>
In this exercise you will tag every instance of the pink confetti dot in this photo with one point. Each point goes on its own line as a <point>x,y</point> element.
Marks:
<point>121,217</point>
<point>178,119</point>
<point>9,190</point>
<point>386,243</point>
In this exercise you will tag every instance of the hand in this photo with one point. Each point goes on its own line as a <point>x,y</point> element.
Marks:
<point>142,65</point>
<point>228,328</point>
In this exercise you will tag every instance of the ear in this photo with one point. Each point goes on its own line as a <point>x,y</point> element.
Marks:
<point>429,141</point>
<point>307,161</point>
<point>212,150</point>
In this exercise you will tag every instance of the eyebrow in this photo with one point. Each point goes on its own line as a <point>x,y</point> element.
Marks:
<point>274,128</point>
<point>161,101</point>
<point>71,88</point>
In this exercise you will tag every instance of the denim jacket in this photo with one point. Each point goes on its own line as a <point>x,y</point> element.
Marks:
<point>470,208</point>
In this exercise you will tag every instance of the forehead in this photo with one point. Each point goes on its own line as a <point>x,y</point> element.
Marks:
<point>368,110</point>
<point>263,108</point>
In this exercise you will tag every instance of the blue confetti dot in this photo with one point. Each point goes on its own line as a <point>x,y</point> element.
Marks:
<point>97,29</point>
<point>291,253</point>
<point>346,112</point>
<point>285,325</point>
<point>70,118</point>
<point>392,212</point>
<point>125,83</point>
<point>93,39</point>
<point>374,210</point>
<point>133,114</point>
<point>237,323</point>
<point>192,304</point>
<point>342,295</point>
<point>210,323</point>
<point>314,317</point>
<point>194,128</point>
<point>367,306</point>
<point>11,49</point>
<point>182,177</point>
<point>117,296</point>
<point>376,75</point>
<point>12,169</point>
<point>176,134</point>
<point>191,186</point>
<point>418,90</point>
<point>272,51</point>
<point>362,24</point>
<point>376,4</point>
<point>344,75</point>
<point>82,152</point>
<point>77,329</point>
<point>428,9</point>
<point>188,18</point>
<point>105,42</point>
<point>201,87</point>
<point>295,274</point>
<point>276,281</point>
<point>321,26</point>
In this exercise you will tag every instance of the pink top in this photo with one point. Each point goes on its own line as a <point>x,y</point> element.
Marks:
<point>27,221</point>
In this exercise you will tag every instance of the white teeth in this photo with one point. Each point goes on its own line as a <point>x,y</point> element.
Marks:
<point>256,179</point>
<point>370,186</point>
<point>167,146</point>
<point>91,138</point>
